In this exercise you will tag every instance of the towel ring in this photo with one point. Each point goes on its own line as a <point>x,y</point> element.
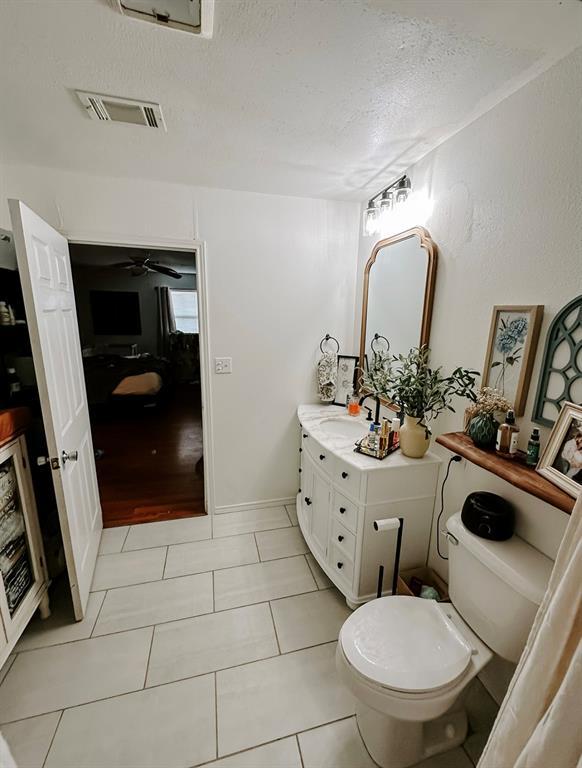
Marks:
<point>326,338</point>
<point>377,337</point>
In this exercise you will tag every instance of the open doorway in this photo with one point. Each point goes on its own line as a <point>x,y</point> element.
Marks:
<point>137,311</point>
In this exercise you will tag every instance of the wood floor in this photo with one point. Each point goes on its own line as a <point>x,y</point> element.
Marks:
<point>151,468</point>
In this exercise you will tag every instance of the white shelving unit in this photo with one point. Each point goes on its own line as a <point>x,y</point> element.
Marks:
<point>23,575</point>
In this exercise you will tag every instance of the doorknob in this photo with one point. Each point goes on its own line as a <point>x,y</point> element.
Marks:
<point>70,456</point>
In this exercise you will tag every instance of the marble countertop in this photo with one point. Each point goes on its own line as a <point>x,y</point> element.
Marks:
<point>311,417</point>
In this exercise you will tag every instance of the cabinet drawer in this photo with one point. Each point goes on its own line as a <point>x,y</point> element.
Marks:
<point>347,478</point>
<point>345,511</point>
<point>342,565</point>
<point>320,455</point>
<point>343,539</point>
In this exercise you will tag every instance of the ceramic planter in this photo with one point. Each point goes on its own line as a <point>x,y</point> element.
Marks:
<point>413,438</point>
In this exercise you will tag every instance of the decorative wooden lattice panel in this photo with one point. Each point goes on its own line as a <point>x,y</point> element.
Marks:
<point>561,372</point>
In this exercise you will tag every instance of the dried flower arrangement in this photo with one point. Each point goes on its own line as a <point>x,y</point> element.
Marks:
<point>480,422</point>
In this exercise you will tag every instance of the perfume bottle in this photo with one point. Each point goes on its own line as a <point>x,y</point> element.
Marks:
<point>507,437</point>
<point>533,449</point>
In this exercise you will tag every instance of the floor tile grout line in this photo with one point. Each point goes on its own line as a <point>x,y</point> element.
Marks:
<point>203,538</point>
<point>257,546</point>
<point>147,666</point>
<point>213,594</point>
<point>172,621</point>
<point>169,682</point>
<point>275,627</point>
<point>281,738</point>
<point>95,622</point>
<point>299,749</point>
<point>53,738</point>
<point>165,563</point>
<point>125,538</point>
<point>216,715</point>
<point>199,573</point>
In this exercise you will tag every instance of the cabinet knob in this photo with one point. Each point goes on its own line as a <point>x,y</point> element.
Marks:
<point>321,456</point>
<point>301,450</point>
<point>340,565</point>
<point>344,475</point>
<point>304,435</point>
<point>300,470</point>
<point>342,510</point>
<point>307,501</point>
<point>340,538</point>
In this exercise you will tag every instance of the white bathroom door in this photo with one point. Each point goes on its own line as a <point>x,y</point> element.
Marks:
<point>49,300</point>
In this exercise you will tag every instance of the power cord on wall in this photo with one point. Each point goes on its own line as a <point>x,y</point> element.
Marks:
<point>438,524</point>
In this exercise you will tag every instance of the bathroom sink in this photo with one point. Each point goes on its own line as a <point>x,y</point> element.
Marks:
<point>344,427</point>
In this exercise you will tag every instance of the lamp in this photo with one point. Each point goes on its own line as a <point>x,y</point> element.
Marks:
<point>380,207</point>
<point>402,190</point>
<point>371,219</point>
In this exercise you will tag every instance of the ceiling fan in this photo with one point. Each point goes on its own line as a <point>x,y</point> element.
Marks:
<point>141,265</point>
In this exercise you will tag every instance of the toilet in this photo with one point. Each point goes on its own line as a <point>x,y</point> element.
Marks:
<point>408,661</point>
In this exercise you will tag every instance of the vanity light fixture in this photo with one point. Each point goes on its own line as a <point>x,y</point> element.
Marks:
<point>381,205</point>
<point>371,219</point>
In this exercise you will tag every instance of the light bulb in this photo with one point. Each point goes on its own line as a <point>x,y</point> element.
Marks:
<point>371,219</point>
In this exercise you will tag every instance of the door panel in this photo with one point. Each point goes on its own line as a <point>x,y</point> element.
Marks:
<point>45,271</point>
<point>320,514</point>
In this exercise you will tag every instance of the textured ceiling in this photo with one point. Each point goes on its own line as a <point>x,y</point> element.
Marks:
<point>323,98</point>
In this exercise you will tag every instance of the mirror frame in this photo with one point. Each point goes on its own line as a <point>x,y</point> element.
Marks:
<point>430,247</point>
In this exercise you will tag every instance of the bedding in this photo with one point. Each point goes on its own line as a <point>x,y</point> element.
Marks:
<point>143,384</point>
<point>105,373</point>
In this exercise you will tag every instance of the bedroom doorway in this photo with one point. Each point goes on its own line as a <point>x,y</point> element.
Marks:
<point>138,315</point>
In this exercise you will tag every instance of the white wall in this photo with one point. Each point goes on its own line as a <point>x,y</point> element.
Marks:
<point>502,199</point>
<point>281,272</point>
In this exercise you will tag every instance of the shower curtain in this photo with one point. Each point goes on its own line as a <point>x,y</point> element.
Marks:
<point>539,724</point>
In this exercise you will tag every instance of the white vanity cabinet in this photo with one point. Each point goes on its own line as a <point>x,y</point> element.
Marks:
<point>343,492</point>
<point>23,576</point>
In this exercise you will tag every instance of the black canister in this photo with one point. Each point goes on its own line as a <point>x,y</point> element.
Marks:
<point>488,515</point>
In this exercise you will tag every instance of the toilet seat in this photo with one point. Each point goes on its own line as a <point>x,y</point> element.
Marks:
<point>405,644</point>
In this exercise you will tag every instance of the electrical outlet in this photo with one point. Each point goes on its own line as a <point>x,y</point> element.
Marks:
<point>223,365</point>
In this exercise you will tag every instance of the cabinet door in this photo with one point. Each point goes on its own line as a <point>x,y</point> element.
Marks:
<point>21,570</point>
<point>320,513</point>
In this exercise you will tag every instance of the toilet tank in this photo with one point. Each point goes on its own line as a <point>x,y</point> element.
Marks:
<point>497,586</point>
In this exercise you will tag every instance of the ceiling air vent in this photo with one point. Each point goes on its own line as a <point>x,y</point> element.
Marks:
<point>195,16</point>
<point>117,110</point>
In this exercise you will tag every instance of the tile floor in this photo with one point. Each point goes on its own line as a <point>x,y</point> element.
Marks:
<point>196,650</point>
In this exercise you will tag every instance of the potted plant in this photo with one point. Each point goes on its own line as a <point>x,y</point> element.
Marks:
<point>480,417</point>
<point>421,392</point>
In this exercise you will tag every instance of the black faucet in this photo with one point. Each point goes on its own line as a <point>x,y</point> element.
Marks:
<point>377,399</point>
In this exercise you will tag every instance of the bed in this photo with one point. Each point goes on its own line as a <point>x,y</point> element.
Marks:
<point>112,379</point>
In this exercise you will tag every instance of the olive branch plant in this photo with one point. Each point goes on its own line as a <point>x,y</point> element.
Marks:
<point>419,390</point>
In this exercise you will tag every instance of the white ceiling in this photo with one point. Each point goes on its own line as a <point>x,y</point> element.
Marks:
<point>323,98</point>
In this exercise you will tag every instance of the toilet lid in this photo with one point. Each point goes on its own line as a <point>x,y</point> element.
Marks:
<point>405,643</point>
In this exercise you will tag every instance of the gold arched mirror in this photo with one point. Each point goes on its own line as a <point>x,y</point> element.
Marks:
<point>399,282</point>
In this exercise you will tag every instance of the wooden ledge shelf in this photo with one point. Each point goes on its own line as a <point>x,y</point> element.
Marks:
<point>515,471</point>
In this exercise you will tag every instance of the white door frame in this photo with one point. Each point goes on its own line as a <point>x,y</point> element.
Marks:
<point>196,247</point>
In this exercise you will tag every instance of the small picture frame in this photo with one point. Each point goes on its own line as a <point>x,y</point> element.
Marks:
<point>561,460</point>
<point>513,338</point>
<point>346,378</point>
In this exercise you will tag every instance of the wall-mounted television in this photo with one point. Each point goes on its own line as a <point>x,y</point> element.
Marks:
<point>115,313</point>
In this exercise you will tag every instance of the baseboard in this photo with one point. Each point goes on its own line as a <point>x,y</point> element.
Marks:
<point>255,505</point>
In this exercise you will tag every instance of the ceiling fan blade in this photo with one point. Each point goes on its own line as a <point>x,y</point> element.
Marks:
<point>165,270</point>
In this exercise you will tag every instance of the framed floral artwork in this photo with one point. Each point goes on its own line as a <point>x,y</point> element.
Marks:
<point>511,350</point>
<point>561,461</point>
